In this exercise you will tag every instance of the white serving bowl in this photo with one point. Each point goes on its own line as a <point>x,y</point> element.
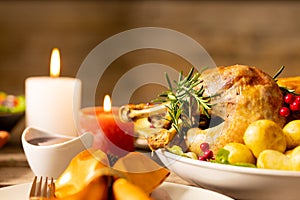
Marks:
<point>52,158</point>
<point>234,181</point>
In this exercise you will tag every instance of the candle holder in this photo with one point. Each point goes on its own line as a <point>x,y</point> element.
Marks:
<point>110,134</point>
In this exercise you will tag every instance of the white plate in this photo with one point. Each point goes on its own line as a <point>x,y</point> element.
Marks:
<point>173,191</point>
<point>167,191</point>
<point>234,181</point>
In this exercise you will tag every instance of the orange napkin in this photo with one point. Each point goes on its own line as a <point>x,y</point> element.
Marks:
<point>90,177</point>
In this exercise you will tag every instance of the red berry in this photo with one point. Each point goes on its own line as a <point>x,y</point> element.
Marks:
<point>297,98</point>
<point>204,146</point>
<point>202,158</point>
<point>208,154</point>
<point>295,106</point>
<point>284,111</point>
<point>289,98</point>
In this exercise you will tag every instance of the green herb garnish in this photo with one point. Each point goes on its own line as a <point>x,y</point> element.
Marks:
<point>184,101</point>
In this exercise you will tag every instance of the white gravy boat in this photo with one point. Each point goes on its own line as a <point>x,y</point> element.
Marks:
<point>49,154</point>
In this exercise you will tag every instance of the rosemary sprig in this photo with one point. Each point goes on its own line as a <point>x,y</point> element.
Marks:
<point>185,101</point>
<point>278,73</point>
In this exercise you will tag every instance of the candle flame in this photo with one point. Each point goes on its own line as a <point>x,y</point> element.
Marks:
<point>55,63</point>
<point>107,104</point>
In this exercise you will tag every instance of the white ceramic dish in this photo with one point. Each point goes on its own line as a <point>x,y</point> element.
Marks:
<point>51,159</point>
<point>236,182</point>
<point>167,191</point>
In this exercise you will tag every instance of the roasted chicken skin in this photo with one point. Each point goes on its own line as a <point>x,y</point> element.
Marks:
<point>243,94</point>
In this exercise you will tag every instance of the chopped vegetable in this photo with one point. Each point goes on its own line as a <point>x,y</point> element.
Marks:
<point>222,158</point>
<point>176,150</point>
<point>11,103</point>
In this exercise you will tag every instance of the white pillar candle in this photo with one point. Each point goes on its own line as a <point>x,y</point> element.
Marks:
<point>52,103</point>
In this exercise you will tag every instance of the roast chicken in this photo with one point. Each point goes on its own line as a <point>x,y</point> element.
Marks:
<point>239,95</point>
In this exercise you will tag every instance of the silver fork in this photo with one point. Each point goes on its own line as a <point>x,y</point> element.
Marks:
<point>40,190</point>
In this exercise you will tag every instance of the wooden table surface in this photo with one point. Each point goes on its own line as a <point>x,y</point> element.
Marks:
<point>14,168</point>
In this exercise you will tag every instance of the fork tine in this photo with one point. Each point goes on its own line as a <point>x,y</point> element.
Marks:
<point>33,187</point>
<point>45,187</point>
<point>42,189</point>
<point>52,188</point>
<point>39,188</point>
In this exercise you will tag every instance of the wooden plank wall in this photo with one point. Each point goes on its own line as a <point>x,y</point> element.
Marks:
<point>265,34</point>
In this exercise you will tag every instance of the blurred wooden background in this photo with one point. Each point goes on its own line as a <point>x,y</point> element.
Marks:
<point>265,34</point>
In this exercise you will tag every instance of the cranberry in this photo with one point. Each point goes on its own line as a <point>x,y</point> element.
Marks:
<point>295,106</point>
<point>202,158</point>
<point>297,99</point>
<point>284,111</point>
<point>289,98</point>
<point>208,154</point>
<point>204,146</point>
